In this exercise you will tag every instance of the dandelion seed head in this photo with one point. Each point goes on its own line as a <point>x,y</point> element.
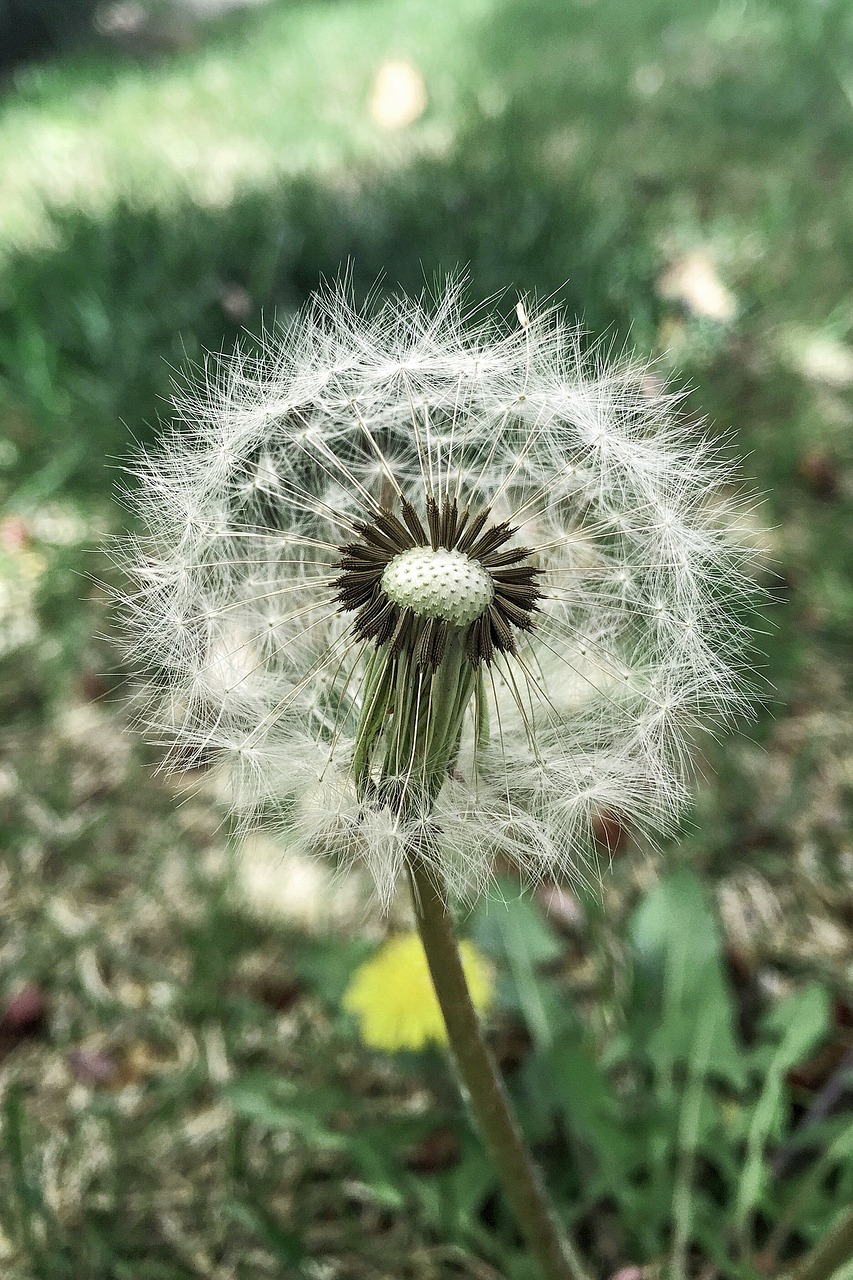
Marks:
<point>426,581</point>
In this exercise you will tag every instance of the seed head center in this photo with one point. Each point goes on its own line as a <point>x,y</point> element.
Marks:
<point>437,583</point>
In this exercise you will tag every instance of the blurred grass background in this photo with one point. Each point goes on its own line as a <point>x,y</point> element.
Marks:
<point>181,1095</point>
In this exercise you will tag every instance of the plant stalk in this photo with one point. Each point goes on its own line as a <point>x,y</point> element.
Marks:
<point>488,1099</point>
<point>830,1255</point>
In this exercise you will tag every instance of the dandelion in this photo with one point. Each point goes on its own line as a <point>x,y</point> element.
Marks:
<point>422,581</point>
<point>441,592</point>
<point>393,998</point>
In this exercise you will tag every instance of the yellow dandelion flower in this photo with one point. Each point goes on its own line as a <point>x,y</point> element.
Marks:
<point>392,995</point>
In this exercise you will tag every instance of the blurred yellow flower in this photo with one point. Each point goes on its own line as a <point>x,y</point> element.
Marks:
<point>392,996</point>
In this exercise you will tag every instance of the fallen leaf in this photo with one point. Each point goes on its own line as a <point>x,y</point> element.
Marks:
<point>822,358</point>
<point>693,281</point>
<point>24,1012</point>
<point>93,1066</point>
<point>438,1151</point>
<point>399,95</point>
<point>819,472</point>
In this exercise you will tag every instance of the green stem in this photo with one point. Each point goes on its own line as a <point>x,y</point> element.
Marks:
<point>488,1099</point>
<point>830,1255</point>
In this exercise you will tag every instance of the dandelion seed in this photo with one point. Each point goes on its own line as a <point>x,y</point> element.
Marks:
<point>431,583</point>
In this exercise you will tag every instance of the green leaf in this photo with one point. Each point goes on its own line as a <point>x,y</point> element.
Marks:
<point>798,1024</point>
<point>327,965</point>
<point>314,1116</point>
<point>274,1108</point>
<point>681,997</point>
<point>514,931</point>
<point>378,1165</point>
<point>503,924</point>
<point>452,1198</point>
<point>285,1245</point>
<point>589,1106</point>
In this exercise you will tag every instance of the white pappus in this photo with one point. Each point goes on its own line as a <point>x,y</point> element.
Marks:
<point>432,582</point>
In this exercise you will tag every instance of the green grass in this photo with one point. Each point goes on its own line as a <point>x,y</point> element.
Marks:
<point>581,149</point>
<point>280,92</point>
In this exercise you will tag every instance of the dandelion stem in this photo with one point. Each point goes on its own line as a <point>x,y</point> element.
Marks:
<point>829,1256</point>
<point>499,1129</point>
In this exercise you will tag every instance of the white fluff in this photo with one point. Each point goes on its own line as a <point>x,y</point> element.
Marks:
<point>247,501</point>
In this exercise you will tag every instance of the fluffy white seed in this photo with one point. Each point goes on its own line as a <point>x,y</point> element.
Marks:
<point>635,638</point>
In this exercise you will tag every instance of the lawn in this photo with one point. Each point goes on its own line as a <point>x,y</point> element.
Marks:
<point>183,1093</point>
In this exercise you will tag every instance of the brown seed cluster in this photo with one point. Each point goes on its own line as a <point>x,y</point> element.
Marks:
<point>387,535</point>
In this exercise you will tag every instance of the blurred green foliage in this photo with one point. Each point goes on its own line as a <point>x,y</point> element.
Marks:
<point>92,328</point>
